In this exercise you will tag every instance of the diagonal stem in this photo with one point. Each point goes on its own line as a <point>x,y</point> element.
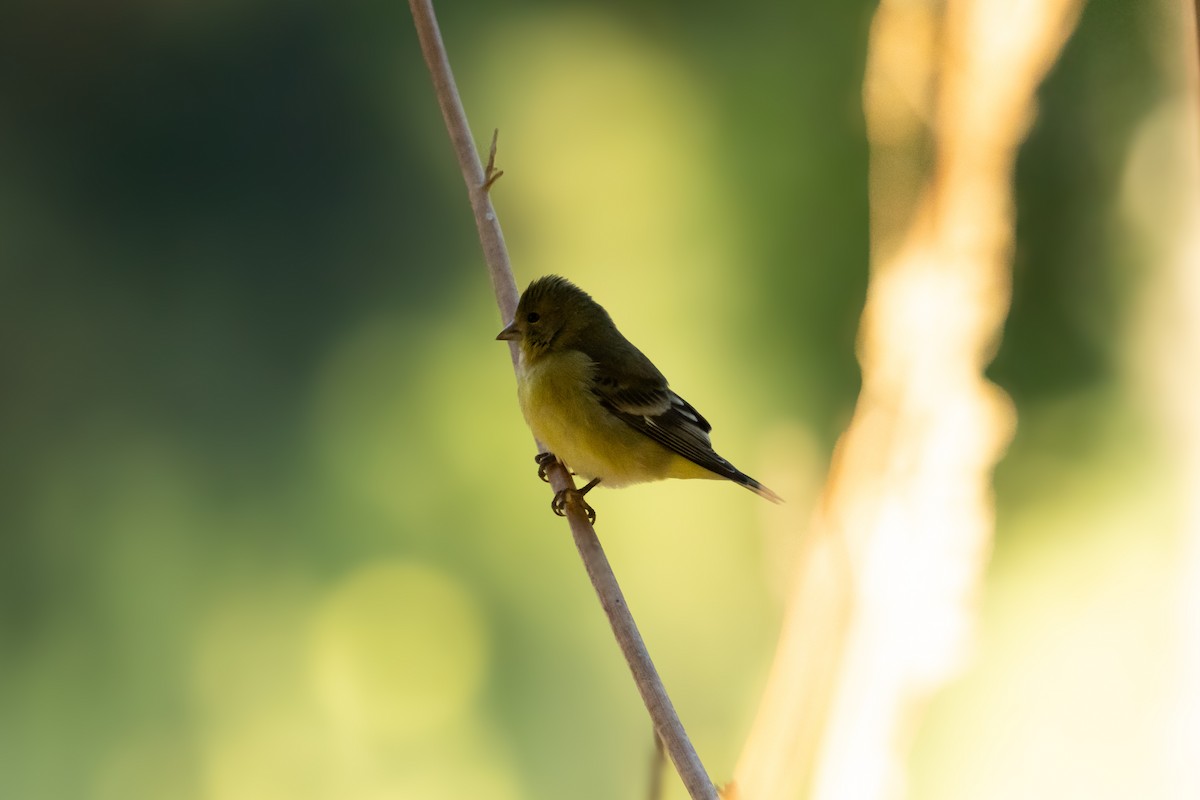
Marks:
<point>649,684</point>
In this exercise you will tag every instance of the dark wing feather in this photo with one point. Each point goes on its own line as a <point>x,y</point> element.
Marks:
<point>665,417</point>
<point>680,429</point>
<point>634,391</point>
<point>631,387</point>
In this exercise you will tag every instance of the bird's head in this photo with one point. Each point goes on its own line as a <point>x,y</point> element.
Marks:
<point>551,316</point>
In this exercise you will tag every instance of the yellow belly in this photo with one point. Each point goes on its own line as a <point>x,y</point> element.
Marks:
<point>563,413</point>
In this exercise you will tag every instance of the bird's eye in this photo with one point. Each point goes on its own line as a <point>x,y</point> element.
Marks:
<point>532,317</point>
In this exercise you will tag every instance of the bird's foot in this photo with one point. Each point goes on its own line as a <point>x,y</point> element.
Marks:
<point>567,496</point>
<point>544,460</point>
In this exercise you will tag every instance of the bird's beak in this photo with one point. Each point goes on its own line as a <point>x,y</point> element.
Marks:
<point>510,333</point>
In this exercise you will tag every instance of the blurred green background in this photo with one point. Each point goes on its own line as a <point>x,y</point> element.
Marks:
<point>269,526</point>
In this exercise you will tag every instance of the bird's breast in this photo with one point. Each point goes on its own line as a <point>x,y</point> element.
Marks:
<point>556,397</point>
<point>566,416</point>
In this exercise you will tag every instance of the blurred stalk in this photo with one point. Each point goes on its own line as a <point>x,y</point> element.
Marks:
<point>1191,15</point>
<point>479,181</point>
<point>1183,284</point>
<point>881,614</point>
<point>1162,200</point>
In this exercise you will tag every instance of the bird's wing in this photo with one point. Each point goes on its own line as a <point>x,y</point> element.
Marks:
<point>651,408</point>
<point>631,387</point>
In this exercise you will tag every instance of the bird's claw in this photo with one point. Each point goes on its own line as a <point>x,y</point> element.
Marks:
<point>561,498</point>
<point>559,504</point>
<point>544,460</point>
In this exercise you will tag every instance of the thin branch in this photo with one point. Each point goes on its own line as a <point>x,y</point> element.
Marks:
<point>654,695</point>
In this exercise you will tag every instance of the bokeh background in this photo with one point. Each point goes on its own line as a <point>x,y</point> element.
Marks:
<point>269,525</point>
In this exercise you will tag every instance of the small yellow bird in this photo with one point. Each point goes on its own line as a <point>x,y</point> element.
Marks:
<point>598,404</point>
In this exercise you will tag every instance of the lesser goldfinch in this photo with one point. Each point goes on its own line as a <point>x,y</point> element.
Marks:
<point>599,404</point>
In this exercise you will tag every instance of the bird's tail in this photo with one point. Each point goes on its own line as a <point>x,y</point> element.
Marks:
<point>742,479</point>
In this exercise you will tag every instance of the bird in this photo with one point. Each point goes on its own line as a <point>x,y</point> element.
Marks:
<point>599,405</point>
